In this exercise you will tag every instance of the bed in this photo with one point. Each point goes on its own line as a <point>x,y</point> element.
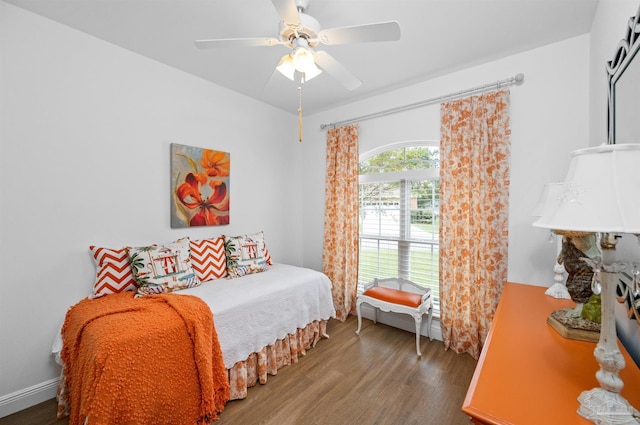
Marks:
<point>262,321</point>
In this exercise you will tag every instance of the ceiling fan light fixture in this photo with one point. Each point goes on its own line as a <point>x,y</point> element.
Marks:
<point>303,59</point>
<point>302,33</point>
<point>312,72</point>
<point>286,67</point>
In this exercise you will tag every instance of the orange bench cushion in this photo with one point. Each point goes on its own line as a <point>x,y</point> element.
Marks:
<point>394,296</point>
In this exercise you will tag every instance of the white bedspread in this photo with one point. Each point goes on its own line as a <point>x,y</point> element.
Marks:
<point>255,310</point>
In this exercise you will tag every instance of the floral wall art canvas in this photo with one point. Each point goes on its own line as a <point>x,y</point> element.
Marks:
<point>199,186</point>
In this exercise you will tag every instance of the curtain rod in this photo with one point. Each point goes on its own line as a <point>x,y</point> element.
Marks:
<point>518,79</point>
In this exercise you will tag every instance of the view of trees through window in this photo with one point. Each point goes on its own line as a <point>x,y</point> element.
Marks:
<point>399,215</point>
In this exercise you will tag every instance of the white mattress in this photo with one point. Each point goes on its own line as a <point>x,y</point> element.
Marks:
<point>255,310</point>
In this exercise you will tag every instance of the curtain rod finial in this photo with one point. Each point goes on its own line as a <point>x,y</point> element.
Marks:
<point>519,78</point>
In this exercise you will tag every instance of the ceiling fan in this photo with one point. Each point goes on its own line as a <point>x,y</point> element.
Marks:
<point>302,33</point>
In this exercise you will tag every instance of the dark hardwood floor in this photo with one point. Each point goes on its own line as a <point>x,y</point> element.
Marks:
<point>374,378</point>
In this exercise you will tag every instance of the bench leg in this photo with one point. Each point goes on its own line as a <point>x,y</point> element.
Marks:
<point>418,319</point>
<point>429,319</point>
<point>358,303</point>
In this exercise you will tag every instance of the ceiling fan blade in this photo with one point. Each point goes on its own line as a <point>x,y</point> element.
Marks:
<point>337,71</point>
<point>381,31</point>
<point>235,42</point>
<point>288,12</point>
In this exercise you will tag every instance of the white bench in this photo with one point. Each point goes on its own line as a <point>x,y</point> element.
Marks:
<point>398,296</point>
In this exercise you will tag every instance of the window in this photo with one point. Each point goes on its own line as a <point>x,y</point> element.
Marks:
<point>399,219</point>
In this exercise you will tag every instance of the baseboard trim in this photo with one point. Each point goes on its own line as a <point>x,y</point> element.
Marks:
<point>27,397</point>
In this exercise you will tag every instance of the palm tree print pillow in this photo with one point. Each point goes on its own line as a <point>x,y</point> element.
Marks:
<point>162,268</point>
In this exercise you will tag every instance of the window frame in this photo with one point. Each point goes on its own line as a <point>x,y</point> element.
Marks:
<point>404,178</point>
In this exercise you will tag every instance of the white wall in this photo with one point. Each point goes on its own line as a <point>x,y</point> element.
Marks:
<point>549,119</point>
<point>609,27</point>
<point>86,129</point>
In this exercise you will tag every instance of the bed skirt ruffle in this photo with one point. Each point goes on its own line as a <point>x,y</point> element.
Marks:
<point>283,352</point>
<point>247,373</point>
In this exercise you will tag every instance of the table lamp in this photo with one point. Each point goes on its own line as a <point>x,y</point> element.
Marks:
<point>601,194</point>
<point>550,194</point>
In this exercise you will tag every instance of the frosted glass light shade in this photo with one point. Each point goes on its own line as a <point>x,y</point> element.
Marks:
<point>303,59</point>
<point>286,68</point>
<point>601,192</point>
<point>312,72</point>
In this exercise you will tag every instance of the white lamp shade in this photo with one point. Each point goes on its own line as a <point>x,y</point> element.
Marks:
<point>601,192</point>
<point>550,197</point>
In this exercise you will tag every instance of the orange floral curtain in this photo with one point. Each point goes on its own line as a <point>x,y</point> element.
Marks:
<point>475,150</point>
<point>340,251</point>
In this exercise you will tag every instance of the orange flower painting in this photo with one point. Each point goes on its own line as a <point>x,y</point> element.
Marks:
<point>199,186</point>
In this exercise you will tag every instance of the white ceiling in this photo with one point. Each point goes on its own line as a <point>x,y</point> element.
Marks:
<point>438,37</point>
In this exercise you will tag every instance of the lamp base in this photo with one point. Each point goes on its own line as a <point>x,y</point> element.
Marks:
<point>604,407</point>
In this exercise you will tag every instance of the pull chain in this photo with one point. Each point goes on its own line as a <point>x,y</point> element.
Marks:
<point>300,108</point>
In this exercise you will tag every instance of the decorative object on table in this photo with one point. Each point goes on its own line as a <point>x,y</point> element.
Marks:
<point>592,310</point>
<point>570,326</point>
<point>601,194</point>
<point>199,186</point>
<point>570,322</point>
<point>571,247</point>
<point>575,247</point>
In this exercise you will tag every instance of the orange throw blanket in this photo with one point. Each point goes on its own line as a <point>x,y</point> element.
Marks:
<point>153,359</point>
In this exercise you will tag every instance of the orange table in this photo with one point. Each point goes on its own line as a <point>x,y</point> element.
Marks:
<point>528,373</point>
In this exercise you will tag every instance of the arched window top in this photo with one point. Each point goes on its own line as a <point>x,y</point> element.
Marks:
<point>401,157</point>
<point>406,160</point>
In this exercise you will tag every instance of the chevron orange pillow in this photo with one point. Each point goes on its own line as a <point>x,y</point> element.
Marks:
<point>208,258</point>
<point>113,272</point>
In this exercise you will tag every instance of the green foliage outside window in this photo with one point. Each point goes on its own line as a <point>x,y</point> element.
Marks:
<point>402,159</point>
